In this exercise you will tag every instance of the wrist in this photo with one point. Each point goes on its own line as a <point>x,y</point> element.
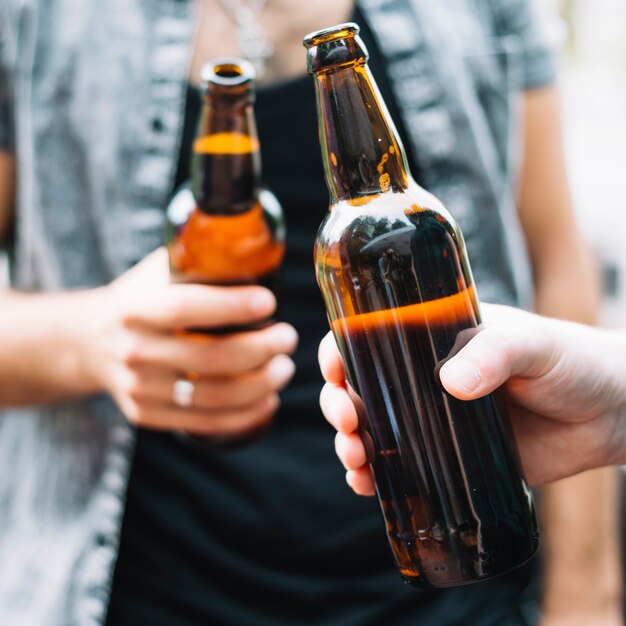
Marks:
<point>92,314</point>
<point>71,321</point>
<point>43,348</point>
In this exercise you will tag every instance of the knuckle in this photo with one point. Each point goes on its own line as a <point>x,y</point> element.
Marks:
<point>220,395</point>
<point>499,349</point>
<point>504,342</point>
<point>131,349</point>
<point>133,412</point>
<point>217,358</point>
<point>128,317</point>
<point>509,347</point>
<point>133,385</point>
<point>177,308</point>
<point>130,310</point>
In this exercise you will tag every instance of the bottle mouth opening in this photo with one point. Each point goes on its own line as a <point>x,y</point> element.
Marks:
<point>340,31</point>
<point>227,72</point>
<point>334,48</point>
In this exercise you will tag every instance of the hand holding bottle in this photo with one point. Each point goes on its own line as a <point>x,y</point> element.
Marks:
<point>224,228</point>
<point>564,383</point>
<point>139,351</point>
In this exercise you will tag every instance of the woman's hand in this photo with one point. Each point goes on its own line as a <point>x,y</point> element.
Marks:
<point>565,385</point>
<point>137,350</point>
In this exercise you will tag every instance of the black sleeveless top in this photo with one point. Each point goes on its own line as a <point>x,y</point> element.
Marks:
<point>270,534</point>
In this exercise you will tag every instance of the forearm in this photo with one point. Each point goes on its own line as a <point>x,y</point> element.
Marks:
<point>567,282</point>
<point>43,343</point>
<point>581,540</point>
<point>579,515</point>
<point>581,530</point>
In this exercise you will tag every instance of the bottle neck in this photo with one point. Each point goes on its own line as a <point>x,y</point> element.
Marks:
<point>361,150</point>
<point>226,161</point>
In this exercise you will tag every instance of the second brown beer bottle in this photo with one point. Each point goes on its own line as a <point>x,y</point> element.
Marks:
<point>225,228</point>
<point>393,270</point>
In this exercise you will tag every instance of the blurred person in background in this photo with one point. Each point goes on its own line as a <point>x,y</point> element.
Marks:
<point>106,514</point>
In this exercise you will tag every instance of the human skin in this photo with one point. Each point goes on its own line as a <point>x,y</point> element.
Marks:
<point>126,339</point>
<point>565,386</point>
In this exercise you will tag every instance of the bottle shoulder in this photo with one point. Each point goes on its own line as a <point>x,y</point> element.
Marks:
<point>396,248</point>
<point>386,215</point>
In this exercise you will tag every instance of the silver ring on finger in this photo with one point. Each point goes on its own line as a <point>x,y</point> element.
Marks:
<point>182,392</point>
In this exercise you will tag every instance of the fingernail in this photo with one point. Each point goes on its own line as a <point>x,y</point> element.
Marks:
<point>262,302</point>
<point>462,374</point>
<point>281,369</point>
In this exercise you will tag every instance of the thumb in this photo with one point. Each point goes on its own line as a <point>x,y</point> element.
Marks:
<point>151,271</point>
<point>495,355</point>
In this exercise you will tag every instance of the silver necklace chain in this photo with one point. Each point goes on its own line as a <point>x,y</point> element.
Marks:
<point>251,38</point>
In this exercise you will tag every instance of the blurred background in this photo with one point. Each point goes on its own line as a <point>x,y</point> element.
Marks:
<point>591,37</point>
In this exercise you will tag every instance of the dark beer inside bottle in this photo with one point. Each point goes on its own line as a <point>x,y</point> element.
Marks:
<point>446,473</point>
<point>226,165</point>
<point>393,270</point>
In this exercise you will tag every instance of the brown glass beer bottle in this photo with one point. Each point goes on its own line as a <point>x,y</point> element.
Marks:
<point>392,267</point>
<point>224,228</point>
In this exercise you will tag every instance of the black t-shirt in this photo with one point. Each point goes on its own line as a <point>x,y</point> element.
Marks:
<point>269,534</point>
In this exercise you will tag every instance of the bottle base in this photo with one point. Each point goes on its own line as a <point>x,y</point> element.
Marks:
<point>420,583</point>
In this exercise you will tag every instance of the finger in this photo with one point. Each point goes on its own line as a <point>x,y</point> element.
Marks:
<point>156,385</point>
<point>202,422</point>
<point>180,306</point>
<point>350,450</point>
<point>496,354</point>
<point>338,409</point>
<point>361,481</point>
<point>330,360</point>
<point>212,355</point>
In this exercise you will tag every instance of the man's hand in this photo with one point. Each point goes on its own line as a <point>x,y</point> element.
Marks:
<point>565,384</point>
<point>137,349</point>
